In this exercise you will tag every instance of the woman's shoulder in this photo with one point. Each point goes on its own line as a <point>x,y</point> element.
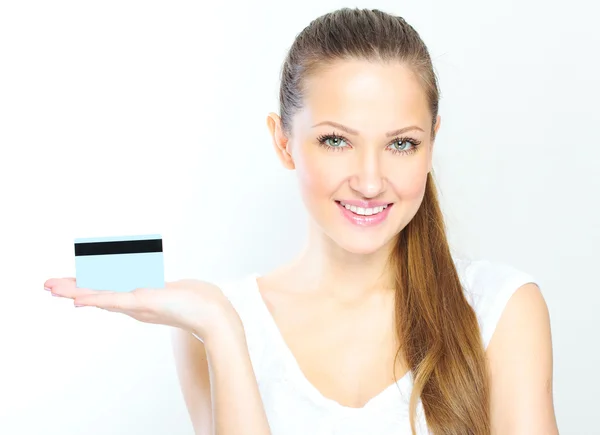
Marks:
<point>488,286</point>
<point>484,278</point>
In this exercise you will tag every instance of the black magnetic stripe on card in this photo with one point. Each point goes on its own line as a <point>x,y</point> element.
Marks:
<point>119,247</point>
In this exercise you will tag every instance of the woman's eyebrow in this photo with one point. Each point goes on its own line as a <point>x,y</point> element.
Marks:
<point>356,133</point>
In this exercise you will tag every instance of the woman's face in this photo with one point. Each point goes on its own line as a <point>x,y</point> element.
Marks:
<point>361,148</point>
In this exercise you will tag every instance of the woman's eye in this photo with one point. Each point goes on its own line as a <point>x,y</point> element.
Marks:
<point>334,142</point>
<point>401,142</point>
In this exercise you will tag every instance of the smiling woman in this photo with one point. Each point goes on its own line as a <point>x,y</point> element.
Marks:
<point>359,118</point>
<point>374,327</point>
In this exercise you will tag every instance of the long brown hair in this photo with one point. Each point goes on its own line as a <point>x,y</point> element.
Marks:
<point>437,328</point>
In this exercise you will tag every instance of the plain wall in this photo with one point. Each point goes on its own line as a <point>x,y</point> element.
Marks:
<point>134,117</point>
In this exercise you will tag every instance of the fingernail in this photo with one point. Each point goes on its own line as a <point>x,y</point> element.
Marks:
<point>58,296</point>
<point>77,306</point>
<point>48,289</point>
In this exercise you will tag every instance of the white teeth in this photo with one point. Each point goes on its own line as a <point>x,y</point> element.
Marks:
<point>364,211</point>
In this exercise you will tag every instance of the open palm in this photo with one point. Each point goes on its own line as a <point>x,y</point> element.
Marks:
<point>189,304</point>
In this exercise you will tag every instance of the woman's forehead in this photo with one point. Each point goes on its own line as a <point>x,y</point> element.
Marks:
<point>365,95</point>
<point>365,87</point>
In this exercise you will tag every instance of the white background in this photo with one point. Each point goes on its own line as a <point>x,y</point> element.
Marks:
<point>132,117</point>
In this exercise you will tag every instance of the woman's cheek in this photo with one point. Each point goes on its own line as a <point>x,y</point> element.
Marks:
<point>409,180</point>
<point>317,175</point>
<point>319,183</point>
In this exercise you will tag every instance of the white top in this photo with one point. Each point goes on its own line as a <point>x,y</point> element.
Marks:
<point>295,407</point>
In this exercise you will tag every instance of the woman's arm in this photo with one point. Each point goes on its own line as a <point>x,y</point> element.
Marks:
<point>520,364</point>
<point>218,383</point>
<point>192,370</point>
<point>217,378</point>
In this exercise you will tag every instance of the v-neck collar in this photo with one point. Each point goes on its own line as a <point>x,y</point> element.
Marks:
<point>403,384</point>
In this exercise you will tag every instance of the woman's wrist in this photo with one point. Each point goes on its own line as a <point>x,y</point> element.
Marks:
<point>225,326</point>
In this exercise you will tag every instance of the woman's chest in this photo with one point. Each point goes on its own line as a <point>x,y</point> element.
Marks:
<point>347,355</point>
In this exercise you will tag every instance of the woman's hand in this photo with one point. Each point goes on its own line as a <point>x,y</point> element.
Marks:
<point>196,306</point>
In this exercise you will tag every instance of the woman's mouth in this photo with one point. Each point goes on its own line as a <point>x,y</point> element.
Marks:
<point>367,215</point>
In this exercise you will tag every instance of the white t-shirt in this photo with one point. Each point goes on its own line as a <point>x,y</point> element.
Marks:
<point>295,407</point>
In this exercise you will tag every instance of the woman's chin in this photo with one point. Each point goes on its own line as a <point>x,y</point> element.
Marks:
<point>360,247</point>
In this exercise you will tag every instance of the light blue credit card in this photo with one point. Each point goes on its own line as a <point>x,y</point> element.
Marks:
<point>121,263</point>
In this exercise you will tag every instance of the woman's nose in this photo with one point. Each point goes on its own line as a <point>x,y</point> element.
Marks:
<point>368,179</point>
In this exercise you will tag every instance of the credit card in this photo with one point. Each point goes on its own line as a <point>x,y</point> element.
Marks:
<point>120,263</point>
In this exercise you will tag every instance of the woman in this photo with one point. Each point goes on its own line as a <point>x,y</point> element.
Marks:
<point>375,327</point>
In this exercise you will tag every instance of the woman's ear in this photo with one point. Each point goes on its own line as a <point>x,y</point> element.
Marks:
<point>438,121</point>
<point>280,141</point>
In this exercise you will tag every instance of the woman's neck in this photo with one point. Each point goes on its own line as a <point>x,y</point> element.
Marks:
<point>325,267</point>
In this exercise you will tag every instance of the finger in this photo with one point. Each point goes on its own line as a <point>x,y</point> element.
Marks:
<point>50,283</point>
<point>67,287</point>
<point>111,301</point>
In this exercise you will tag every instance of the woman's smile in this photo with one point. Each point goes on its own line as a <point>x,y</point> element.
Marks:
<point>364,213</point>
